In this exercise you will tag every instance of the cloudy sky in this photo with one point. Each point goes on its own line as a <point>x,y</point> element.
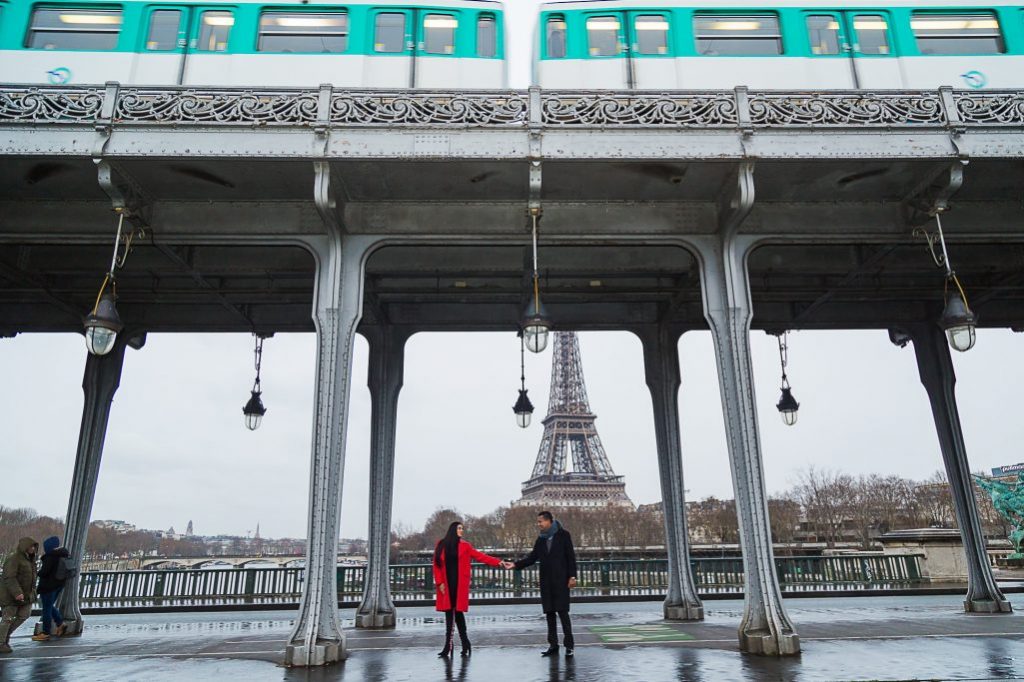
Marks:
<point>177,449</point>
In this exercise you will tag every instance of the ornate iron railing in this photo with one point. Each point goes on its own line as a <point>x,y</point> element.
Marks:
<point>416,581</point>
<point>739,109</point>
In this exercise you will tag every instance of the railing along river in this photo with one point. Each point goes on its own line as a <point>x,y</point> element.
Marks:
<point>413,582</point>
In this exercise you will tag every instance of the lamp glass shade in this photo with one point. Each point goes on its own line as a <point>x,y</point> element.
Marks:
<point>788,407</point>
<point>959,324</point>
<point>102,326</point>
<point>254,412</point>
<point>100,340</point>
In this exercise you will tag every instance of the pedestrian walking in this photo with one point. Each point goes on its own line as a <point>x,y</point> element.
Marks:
<point>557,557</point>
<point>452,560</point>
<point>54,571</point>
<point>17,590</point>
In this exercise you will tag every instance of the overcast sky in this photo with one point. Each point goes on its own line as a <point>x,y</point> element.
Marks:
<point>177,448</point>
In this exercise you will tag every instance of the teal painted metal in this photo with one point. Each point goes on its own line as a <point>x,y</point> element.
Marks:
<point>415,581</point>
<point>16,19</point>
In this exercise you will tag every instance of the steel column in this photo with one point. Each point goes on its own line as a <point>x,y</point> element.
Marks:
<point>387,366</point>
<point>100,382</point>
<point>939,379</point>
<point>317,637</point>
<point>661,368</point>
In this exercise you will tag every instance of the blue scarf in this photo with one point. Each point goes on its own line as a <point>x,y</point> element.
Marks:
<point>550,532</point>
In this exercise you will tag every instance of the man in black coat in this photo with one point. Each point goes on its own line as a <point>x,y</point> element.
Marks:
<point>554,550</point>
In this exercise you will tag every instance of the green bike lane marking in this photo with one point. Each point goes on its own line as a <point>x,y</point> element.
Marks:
<point>619,634</point>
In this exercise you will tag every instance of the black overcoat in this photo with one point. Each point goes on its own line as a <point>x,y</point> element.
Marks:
<point>556,567</point>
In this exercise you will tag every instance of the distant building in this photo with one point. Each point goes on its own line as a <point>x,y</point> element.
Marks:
<point>117,526</point>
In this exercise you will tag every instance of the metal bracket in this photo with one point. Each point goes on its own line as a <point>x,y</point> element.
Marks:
<point>932,194</point>
<point>535,132</point>
<point>126,194</point>
<point>104,124</point>
<point>325,198</point>
<point>899,337</point>
<point>736,199</point>
<point>743,116</point>
<point>322,129</point>
<point>954,124</point>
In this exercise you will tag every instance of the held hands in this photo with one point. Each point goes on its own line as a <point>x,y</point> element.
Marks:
<point>507,565</point>
<point>443,588</point>
<point>572,583</point>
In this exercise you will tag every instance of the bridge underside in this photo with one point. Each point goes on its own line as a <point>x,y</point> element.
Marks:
<point>226,243</point>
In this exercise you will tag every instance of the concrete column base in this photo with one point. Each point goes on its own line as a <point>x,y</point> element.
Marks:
<point>376,621</point>
<point>767,644</point>
<point>321,653</point>
<point>988,606</point>
<point>683,612</point>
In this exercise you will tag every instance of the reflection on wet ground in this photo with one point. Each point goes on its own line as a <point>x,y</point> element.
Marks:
<point>843,638</point>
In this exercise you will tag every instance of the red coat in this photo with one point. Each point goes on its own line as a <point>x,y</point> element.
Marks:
<point>466,554</point>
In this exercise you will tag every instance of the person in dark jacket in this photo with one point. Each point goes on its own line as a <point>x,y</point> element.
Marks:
<point>554,550</point>
<point>17,589</point>
<point>453,557</point>
<point>50,587</point>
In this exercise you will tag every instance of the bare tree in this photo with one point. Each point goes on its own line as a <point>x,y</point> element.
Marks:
<point>828,499</point>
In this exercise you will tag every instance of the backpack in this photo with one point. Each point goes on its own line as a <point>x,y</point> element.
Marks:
<point>66,568</point>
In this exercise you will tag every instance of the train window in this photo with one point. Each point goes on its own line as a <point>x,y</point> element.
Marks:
<point>389,32</point>
<point>555,37</point>
<point>651,34</point>
<point>214,29</point>
<point>823,34</point>
<point>164,25</point>
<point>603,36</point>
<point>303,32</point>
<point>74,29</point>
<point>872,34</point>
<point>486,37</point>
<point>957,33</point>
<point>439,33</point>
<point>719,34</point>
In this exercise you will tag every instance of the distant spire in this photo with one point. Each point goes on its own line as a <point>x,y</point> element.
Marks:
<point>257,530</point>
<point>188,531</point>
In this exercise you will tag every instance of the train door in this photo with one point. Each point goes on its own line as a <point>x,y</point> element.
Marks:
<point>392,64</point>
<point>649,50</point>
<point>869,44</point>
<point>435,44</point>
<point>205,58</point>
<point>160,59</point>
<point>608,63</point>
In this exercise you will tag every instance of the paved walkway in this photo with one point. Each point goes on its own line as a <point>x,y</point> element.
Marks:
<point>843,638</point>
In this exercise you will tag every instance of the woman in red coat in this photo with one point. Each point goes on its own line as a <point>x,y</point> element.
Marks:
<point>452,558</point>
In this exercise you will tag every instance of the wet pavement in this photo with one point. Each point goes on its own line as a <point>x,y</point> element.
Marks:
<point>855,638</point>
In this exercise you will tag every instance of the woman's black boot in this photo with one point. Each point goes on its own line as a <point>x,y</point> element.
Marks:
<point>467,649</point>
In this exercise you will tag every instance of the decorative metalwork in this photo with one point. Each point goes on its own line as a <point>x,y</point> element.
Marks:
<point>569,430</point>
<point>1005,108</point>
<point>704,110</point>
<point>429,108</point>
<point>50,105</point>
<point>845,108</point>
<point>138,105</point>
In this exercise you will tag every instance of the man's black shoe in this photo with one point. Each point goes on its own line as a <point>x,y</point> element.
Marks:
<point>568,652</point>
<point>550,651</point>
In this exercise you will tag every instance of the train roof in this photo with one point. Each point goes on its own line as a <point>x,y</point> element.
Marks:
<point>318,4</point>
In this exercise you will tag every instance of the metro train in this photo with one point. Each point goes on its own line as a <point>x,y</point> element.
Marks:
<point>462,44</point>
<point>381,43</point>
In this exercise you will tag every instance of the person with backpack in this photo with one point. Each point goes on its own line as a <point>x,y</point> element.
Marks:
<point>55,570</point>
<point>17,589</point>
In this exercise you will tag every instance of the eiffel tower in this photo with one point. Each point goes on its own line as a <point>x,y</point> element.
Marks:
<point>569,428</point>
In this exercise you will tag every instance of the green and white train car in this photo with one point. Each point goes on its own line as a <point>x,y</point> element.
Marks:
<point>386,43</point>
<point>790,45</point>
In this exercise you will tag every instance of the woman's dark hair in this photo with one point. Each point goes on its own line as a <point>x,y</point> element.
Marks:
<point>449,543</point>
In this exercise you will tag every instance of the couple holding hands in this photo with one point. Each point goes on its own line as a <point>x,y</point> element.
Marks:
<point>554,552</point>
